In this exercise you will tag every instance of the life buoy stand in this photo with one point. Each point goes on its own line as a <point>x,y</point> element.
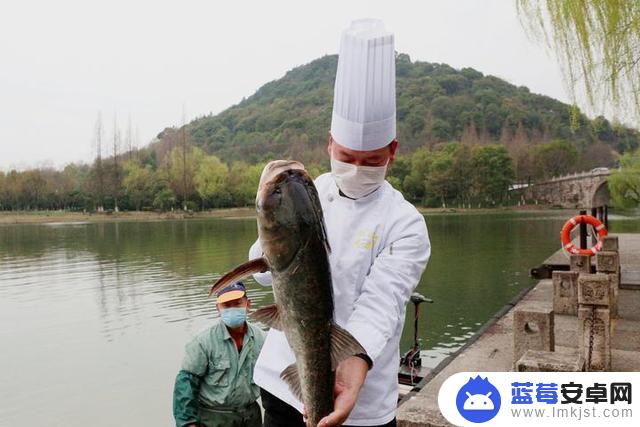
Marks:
<point>565,234</point>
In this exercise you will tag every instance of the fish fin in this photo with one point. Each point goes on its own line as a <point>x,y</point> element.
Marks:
<point>268,315</point>
<point>291,376</point>
<point>343,345</point>
<point>258,265</point>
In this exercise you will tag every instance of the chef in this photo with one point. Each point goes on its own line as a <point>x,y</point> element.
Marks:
<point>380,245</point>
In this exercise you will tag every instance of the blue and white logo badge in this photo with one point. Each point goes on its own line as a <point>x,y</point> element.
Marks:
<point>478,400</point>
<point>533,399</point>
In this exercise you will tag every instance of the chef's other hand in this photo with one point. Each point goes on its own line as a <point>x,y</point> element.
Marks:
<point>350,377</point>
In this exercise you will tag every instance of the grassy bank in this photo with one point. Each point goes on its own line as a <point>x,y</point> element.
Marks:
<point>43,217</point>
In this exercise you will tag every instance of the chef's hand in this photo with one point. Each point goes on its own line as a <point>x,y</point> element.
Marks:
<point>350,377</point>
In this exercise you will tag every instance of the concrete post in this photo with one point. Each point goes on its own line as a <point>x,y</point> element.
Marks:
<point>580,263</point>
<point>610,243</point>
<point>565,292</point>
<point>593,289</point>
<point>533,329</point>
<point>607,262</point>
<point>595,332</point>
<point>594,320</point>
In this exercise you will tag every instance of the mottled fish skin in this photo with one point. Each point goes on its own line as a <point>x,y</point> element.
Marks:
<point>293,239</point>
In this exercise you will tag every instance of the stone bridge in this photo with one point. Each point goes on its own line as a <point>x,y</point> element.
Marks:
<point>582,190</point>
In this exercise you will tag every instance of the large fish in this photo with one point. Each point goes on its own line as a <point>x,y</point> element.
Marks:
<point>294,242</point>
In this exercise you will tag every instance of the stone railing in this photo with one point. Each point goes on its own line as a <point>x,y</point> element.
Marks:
<point>592,297</point>
<point>577,176</point>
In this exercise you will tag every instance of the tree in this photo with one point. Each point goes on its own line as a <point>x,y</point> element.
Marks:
<point>603,129</point>
<point>78,177</point>
<point>398,171</point>
<point>98,172</point>
<point>470,134</point>
<point>211,181</point>
<point>624,184</point>
<point>597,43</point>
<point>505,133</point>
<point>129,140</point>
<point>116,185</point>
<point>3,192</point>
<point>520,151</point>
<point>164,199</point>
<point>180,167</point>
<point>33,189</point>
<point>463,170</point>
<point>554,159</point>
<point>12,189</point>
<point>414,183</point>
<point>184,162</point>
<point>492,170</point>
<point>597,154</point>
<point>440,181</point>
<point>243,182</point>
<point>138,183</point>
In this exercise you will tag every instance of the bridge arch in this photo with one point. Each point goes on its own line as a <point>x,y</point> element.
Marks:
<point>601,196</point>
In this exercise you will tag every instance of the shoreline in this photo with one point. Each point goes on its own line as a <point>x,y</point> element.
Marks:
<point>45,217</point>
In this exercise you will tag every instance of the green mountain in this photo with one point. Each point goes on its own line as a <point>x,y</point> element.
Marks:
<point>435,103</point>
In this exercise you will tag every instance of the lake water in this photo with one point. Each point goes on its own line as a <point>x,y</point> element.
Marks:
<point>94,317</point>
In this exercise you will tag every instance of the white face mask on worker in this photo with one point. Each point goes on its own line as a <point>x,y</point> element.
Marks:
<point>357,181</point>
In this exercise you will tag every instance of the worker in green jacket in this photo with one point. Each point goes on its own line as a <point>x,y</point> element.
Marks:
<point>215,387</point>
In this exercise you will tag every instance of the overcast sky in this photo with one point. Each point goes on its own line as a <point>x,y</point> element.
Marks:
<point>62,62</point>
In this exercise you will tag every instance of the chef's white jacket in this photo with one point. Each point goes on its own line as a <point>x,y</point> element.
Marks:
<point>379,249</point>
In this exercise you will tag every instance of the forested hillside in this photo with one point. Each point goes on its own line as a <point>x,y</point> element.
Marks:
<point>435,103</point>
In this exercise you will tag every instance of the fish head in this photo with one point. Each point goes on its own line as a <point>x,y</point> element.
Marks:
<point>288,211</point>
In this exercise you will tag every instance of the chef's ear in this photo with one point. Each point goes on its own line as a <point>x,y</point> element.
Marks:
<point>393,146</point>
<point>329,143</point>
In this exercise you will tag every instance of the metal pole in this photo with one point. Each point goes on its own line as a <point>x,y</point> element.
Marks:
<point>415,328</point>
<point>606,216</point>
<point>583,232</point>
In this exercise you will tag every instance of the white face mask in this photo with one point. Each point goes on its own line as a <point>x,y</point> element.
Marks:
<point>357,181</point>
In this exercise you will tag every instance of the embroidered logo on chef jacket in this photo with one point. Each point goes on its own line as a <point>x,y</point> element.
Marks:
<point>366,239</point>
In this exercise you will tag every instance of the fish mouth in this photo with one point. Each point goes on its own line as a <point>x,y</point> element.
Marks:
<point>272,174</point>
<point>275,168</point>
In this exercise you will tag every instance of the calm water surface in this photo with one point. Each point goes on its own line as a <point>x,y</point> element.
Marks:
<point>94,317</point>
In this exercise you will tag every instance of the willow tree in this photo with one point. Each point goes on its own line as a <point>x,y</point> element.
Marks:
<point>624,184</point>
<point>597,43</point>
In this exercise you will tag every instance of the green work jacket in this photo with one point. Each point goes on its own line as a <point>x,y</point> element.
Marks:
<point>214,375</point>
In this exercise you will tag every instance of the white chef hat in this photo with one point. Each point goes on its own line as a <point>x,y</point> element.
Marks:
<point>364,98</point>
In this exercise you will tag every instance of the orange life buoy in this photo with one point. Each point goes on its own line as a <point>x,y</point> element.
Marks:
<point>565,234</point>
